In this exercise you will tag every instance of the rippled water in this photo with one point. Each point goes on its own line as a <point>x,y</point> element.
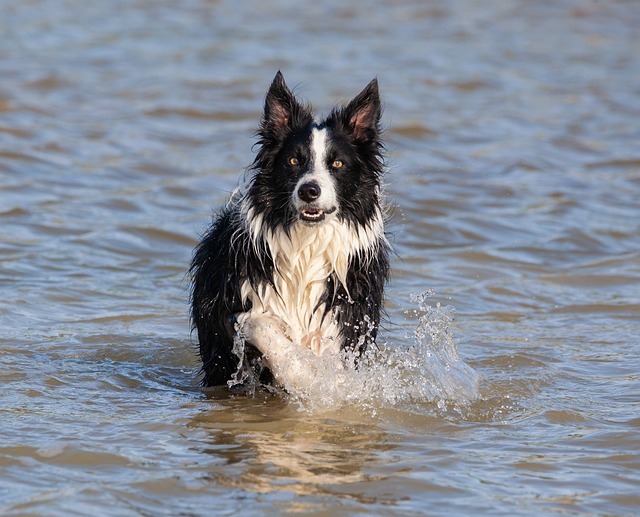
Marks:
<point>514,154</point>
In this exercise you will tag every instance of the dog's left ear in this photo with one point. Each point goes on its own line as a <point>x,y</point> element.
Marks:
<point>363,113</point>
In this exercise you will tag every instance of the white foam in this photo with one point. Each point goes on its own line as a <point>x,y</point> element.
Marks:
<point>426,368</point>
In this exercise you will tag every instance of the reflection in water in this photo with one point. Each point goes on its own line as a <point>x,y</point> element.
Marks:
<point>513,145</point>
<point>272,447</point>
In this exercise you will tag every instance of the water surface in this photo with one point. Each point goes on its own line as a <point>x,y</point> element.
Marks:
<point>514,172</point>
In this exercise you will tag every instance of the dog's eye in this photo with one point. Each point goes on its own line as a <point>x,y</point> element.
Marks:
<point>337,164</point>
<point>294,161</point>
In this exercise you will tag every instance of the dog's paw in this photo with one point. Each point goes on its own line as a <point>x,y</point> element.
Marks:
<point>313,342</point>
<point>262,331</point>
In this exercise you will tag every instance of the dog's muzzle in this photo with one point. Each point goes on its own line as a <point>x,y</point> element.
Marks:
<point>309,193</point>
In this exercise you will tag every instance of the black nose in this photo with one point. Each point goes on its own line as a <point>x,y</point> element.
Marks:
<point>309,191</point>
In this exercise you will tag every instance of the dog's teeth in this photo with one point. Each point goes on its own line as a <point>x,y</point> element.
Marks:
<point>312,215</point>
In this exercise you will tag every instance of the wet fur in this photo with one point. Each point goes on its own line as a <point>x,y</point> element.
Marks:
<point>267,263</point>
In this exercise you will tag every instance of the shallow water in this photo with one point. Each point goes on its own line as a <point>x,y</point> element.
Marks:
<point>514,157</point>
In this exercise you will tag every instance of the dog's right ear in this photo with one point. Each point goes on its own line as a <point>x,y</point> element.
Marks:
<point>281,108</point>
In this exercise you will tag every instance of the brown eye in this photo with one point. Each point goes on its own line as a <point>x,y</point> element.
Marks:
<point>337,164</point>
<point>293,161</point>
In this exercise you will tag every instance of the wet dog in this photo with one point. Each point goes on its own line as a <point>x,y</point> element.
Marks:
<point>298,261</point>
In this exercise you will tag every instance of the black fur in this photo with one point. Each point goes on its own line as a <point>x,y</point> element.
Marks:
<point>227,256</point>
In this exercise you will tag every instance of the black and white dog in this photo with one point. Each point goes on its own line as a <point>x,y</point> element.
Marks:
<point>297,262</point>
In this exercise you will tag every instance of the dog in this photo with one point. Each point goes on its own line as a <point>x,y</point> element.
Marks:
<point>296,264</point>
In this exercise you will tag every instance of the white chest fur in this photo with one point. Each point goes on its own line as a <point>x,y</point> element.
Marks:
<point>303,261</point>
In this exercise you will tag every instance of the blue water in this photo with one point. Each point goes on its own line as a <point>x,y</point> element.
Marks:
<point>507,381</point>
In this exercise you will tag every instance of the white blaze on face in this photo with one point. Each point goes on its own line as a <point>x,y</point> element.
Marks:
<point>319,173</point>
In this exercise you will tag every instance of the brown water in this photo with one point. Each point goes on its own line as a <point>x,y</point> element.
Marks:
<point>514,142</point>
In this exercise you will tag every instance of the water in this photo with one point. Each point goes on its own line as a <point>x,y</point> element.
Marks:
<point>513,136</point>
<point>427,368</point>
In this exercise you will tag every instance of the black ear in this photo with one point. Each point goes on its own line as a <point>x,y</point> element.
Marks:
<point>281,109</point>
<point>362,114</point>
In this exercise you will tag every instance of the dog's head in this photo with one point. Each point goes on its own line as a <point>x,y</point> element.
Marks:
<point>308,171</point>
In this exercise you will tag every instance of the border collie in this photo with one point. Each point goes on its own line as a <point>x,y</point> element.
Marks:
<point>297,263</point>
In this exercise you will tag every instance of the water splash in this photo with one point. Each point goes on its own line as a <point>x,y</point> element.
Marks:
<point>426,368</point>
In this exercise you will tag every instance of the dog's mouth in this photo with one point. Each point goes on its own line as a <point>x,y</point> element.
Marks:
<point>315,215</point>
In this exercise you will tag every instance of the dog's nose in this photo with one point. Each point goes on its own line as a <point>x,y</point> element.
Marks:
<point>309,191</point>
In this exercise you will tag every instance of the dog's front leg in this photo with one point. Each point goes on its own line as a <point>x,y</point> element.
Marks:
<point>293,366</point>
